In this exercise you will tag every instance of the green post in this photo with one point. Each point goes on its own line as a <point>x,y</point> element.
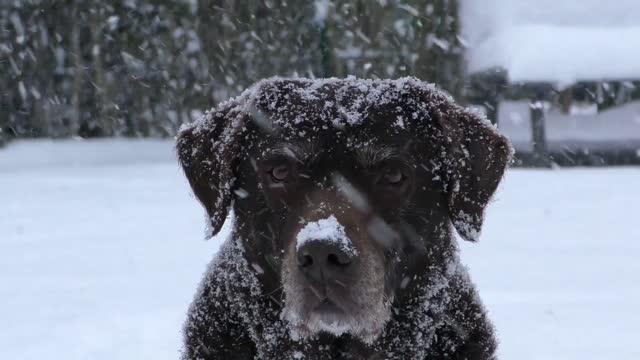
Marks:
<point>326,54</point>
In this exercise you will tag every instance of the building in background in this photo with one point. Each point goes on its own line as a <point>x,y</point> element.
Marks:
<point>560,77</point>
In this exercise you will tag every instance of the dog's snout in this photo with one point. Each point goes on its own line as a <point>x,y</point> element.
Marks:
<point>323,260</point>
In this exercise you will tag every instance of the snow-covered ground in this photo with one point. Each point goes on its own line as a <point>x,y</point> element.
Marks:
<point>101,251</point>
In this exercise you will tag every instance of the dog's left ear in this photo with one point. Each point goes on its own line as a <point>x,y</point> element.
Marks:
<point>476,159</point>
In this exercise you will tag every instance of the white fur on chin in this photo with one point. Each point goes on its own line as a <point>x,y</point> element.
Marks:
<point>333,324</point>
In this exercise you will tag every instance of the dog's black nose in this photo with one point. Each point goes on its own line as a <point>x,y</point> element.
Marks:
<point>322,260</point>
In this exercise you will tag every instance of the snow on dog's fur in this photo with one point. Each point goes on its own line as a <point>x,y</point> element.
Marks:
<point>374,173</point>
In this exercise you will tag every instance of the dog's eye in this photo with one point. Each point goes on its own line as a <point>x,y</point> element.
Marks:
<point>280,173</point>
<point>392,176</point>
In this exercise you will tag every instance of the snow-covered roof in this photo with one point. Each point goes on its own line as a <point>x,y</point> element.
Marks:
<point>554,40</point>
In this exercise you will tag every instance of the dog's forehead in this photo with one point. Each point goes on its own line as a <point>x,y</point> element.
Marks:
<point>374,135</point>
<point>355,119</point>
<point>341,111</point>
<point>295,107</point>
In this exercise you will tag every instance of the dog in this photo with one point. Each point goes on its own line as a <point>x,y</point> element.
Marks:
<point>345,195</point>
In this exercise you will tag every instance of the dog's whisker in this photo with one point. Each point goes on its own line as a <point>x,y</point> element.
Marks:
<point>276,300</point>
<point>262,211</point>
<point>316,292</point>
<point>274,290</point>
<point>272,233</point>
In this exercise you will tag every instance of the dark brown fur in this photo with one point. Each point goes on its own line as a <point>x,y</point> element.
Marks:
<point>407,270</point>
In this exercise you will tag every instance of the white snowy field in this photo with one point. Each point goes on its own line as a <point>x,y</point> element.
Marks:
<point>101,251</point>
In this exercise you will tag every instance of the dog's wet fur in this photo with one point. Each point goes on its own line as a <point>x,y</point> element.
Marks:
<point>398,164</point>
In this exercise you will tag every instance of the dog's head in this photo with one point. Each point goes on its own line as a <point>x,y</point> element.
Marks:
<point>343,190</point>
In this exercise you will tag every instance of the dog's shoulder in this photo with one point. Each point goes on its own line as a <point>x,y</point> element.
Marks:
<point>230,307</point>
<point>212,327</point>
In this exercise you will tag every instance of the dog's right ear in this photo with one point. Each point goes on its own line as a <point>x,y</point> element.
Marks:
<point>207,151</point>
<point>477,158</point>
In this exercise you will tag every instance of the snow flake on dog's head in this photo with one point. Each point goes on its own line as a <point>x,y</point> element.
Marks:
<point>327,230</point>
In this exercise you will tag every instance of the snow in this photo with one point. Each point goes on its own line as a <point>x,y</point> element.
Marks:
<point>321,11</point>
<point>100,256</point>
<point>328,230</point>
<point>100,250</point>
<point>561,54</point>
<point>554,40</point>
<point>557,264</point>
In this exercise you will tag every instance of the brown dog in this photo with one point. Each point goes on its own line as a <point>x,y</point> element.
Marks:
<point>344,194</point>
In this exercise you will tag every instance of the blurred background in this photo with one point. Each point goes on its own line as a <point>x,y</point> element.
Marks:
<point>99,255</point>
<point>560,78</point>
